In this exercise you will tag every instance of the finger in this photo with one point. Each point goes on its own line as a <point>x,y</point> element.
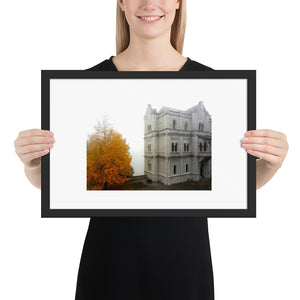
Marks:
<point>34,148</point>
<point>263,148</point>
<point>32,132</point>
<point>26,158</point>
<point>29,140</point>
<point>274,160</point>
<point>262,141</point>
<point>265,133</point>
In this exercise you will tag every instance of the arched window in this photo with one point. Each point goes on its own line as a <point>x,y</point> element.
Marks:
<point>173,148</point>
<point>186,126</point>
<point>186,167</point>
<point>174,124</point>
<point>200,147</point>
<point>149,147</point>
<point>174,169</point>
<point>202,128</point>
<point>205,146</point>
<point>187,147</point>
<point>149,128</point>
<point>149,166</point>
<point>201,125</point>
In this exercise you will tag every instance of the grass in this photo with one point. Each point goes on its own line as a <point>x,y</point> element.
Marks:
<point>203,184</point>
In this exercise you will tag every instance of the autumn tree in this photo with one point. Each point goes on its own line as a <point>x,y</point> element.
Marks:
<point>108,157</point>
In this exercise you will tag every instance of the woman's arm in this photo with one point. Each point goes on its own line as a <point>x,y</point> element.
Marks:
<point>271,147</point>
<point>34,175</point>
<point>263,173</point>
<point>30,145</point>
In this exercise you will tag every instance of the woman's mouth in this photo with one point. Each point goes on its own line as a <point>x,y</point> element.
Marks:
<point>150,19</point>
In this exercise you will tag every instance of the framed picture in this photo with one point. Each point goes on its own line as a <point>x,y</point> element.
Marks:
<point>148,143</point>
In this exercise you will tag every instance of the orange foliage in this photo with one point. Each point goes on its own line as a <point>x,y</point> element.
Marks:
<point>108,159</point>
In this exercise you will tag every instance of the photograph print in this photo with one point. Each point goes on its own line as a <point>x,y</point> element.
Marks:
<point>176,153</point>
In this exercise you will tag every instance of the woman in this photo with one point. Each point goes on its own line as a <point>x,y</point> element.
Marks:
<point>149,257</point>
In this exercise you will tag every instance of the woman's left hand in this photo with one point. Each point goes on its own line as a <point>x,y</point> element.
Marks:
<point>269,145</point>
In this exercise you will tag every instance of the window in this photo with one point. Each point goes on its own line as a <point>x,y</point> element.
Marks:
<point>149,166</point>
<point>186,167</point>
<point>205,146</point>
<point>174,169</point>
<point>186,126</point>
<point>174,147</point>
<point>201,125</point>
<point>149,147</point>
<point>149,128</point>
<point>200,147</point>
<point>186,147</point>
<point>174,124</point>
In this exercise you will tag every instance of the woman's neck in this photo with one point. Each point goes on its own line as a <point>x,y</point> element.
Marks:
<point>149,53</point>
<point>149,56</point>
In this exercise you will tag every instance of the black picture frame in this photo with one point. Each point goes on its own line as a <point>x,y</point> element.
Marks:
<point>247,76</point>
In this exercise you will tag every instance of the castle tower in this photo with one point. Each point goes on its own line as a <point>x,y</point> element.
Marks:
<point>177,144</point>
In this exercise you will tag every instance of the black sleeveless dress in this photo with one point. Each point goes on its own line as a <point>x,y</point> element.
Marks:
<point>146,258</point>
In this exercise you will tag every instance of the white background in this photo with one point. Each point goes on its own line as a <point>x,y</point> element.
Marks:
<point>252,258</point>
<point>79,103</point>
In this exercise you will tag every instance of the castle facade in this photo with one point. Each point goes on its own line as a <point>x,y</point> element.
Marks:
<point>177,144</point>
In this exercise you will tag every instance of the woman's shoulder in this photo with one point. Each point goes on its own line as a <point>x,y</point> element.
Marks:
<point>105,65</point>
<point>193,65</point>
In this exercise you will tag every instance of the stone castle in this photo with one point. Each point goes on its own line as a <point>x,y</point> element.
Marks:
<point>177,144</point>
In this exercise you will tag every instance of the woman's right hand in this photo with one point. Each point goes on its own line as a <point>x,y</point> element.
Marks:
<point>32,144</point>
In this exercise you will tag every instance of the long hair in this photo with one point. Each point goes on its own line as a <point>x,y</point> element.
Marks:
<point>177,30</point>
